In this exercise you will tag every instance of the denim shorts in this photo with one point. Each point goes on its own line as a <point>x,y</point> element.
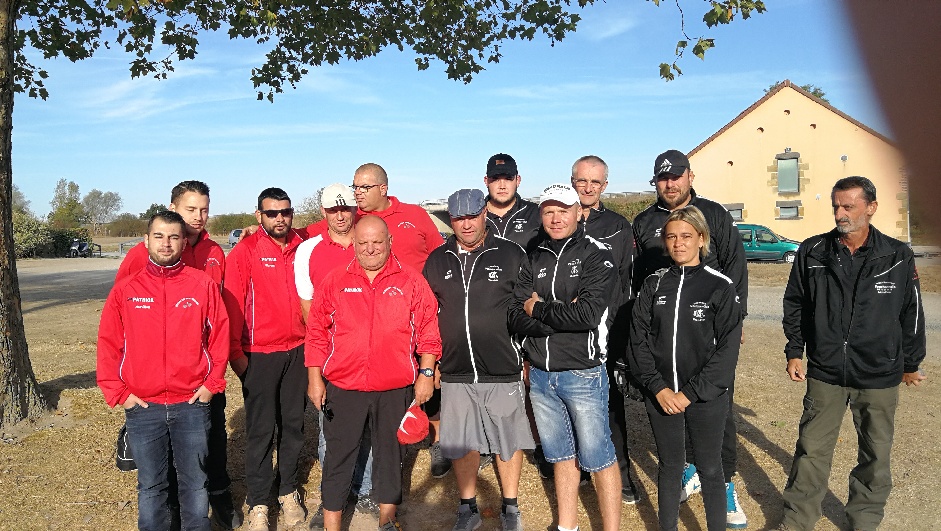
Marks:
<point>571,410</point>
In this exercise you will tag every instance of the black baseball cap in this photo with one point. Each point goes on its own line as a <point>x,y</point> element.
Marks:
<point>501,164</point>
<point>671,161</point>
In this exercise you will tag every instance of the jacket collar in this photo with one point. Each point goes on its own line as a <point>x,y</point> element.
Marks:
<point>164,271</point>
<point>826,251</point>
<point>557,246</point>
<point>490,241</point>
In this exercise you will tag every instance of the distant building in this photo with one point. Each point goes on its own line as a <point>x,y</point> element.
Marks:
<point>776,162</point>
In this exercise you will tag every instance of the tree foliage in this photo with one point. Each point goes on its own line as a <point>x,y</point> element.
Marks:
<point>30,235</point>
<point>20,203</point>
<point>127,224</point>
<point>151,210</point>
<point>101,207</point>
<point>223,224</point>
<point>720,12</point>
<point>67,210</point>
<point>812,89</point>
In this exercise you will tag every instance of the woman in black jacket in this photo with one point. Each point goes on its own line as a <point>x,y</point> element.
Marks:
<point>684,347</point>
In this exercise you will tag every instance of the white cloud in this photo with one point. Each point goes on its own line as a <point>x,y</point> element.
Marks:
<point>606,28</point>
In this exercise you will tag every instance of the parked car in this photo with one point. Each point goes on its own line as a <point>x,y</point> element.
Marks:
<point>763,244</point>
<point>234,236</point>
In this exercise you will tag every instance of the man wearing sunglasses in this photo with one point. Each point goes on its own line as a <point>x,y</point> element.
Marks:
<point>267,353</point>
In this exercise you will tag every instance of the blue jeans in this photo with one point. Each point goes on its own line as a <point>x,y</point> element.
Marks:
<point>362,474</point>
<point>571,410</point>
<point>151,431</point>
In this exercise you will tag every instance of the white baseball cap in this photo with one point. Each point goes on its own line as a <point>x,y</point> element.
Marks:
<point>336,195</point>
<point>563,193</point>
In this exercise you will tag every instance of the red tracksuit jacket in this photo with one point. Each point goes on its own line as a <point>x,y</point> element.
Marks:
<point>364,335</point>
<point>164,332</point>
<point>259,293</point>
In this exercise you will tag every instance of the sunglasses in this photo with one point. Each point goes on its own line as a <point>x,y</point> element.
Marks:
<point>284,212</point>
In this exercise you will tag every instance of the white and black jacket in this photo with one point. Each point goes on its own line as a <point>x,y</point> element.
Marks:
<point>476,343</point>
<point>685,332</point>
<point>522,224</point>
<point>578,282</point>
<point>726,252</point>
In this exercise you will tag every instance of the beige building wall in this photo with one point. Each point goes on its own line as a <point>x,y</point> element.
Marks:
<point>739,165</point>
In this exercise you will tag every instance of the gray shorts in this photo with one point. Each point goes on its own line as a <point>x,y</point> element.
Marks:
<point>486,417</point>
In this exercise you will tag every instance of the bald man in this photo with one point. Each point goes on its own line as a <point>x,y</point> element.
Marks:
<point>364,326</point>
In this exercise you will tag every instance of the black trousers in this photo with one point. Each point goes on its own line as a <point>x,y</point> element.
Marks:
<point>353,411</point>
<point>729,441</point>
<point>275,391</point>
<point>703,421</point>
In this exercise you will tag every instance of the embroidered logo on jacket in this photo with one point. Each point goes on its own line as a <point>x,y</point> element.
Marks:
<point>884,288</point>
<point>186,302</point>
<point>661,300</point>
<point>574,265</point>
<point>448,275</point>
<point>269,261</point>
<point>392,291</point>
<point>142,302</point>
<point>493,273</point>
<point>699,311</point>
<point>352,290</point>
<point>542,273</point>
<point>519,225</point>
<point>406,225</point>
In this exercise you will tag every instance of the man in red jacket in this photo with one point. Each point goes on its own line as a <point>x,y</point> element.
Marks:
<point>190,199</point>
<point>162,352</point>
<point>267,352</point>
<point>365,325</point>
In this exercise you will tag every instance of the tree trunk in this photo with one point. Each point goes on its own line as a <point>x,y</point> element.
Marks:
<point>20,396</point>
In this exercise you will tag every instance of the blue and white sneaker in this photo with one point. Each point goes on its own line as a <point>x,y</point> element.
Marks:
<point>691,484</point>
<point>734,514</point>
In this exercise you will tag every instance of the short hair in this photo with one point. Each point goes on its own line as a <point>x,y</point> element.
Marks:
<point>592,159</point>
<point>694,217</point>
<point>166,216</point>
<point>848,183</point>
<point>198,187</point>
<point>376,170</point>
<point>272,193</point>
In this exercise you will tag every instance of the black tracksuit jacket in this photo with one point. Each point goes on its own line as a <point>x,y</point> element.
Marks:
<point>886,329</point>
<point>578,282</point>
<point>523,224</point>
<point>726,252</point>
<point>685,332</point>
<point>475,339</point>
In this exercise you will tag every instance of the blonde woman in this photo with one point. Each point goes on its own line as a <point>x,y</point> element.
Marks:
<point>684,347</point>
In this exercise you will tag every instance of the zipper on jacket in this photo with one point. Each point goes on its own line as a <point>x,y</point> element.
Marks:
<point>676,321</point>
<point>555,270</point>
<point>466,284</point>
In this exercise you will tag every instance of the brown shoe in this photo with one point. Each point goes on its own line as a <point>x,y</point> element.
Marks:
<point>257,519</point>
<point>292,509</point>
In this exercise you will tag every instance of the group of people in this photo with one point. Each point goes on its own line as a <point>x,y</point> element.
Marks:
<point>522,332</point>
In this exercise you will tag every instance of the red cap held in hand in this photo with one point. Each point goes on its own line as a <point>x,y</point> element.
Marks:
<point>414,425</point>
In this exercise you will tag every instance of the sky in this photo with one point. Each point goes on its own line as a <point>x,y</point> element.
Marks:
<point>596,92</point>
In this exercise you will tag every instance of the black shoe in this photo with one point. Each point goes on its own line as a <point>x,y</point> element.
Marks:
<point>367,505</point>
<point>629,493</point>
<point>439,465</point>
<point>316,521</point>
<point>224,513</point>
<point>545,468</point>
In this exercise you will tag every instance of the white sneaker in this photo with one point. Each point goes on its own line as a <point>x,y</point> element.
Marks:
<point>691,483</point>
<point>735,515</point>
<point>257,519</point>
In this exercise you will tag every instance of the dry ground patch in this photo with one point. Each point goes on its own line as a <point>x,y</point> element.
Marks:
<point>60,474</point>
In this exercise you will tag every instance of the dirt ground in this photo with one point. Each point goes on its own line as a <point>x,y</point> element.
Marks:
<point>59,473</point>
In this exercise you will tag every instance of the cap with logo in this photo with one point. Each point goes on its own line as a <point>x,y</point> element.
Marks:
<point>337,195</point>
<point>501,164</point>
<point>672,161</point>
<point>414,425</point>
<point>466,202</point>
<point>563,193</point>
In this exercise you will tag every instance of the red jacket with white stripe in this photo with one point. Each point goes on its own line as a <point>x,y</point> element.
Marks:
<point>260,295</point>
<point>163,333</point>
<point>206,255</point>
<point>364,335</point>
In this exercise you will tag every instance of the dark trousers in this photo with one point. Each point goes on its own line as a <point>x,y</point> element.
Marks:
<point>703,421</point>
<point>382,411</point>
<point>274,388</point>
<point>617,417</point>
<point>870,481</point>
<point>150,432</point>
<point>729,441</point>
